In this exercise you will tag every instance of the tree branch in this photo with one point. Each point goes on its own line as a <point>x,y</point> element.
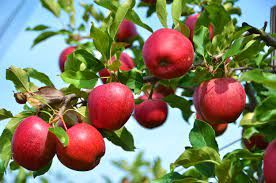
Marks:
<point>269,40</point>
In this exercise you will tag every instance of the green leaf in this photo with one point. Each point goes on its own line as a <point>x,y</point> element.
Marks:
<point>235,49</point>
<point>61,134</point>
<point>52,6</point>
<point>4,114</point>
<point>83,111</point>
<point>195,156</point>
<point>181,103</point>
<point>42,170</point>
<point>203,135</point>
<point>80,79</point>
<point>6,138</point>
<point>43,36</point>
<point>181,27</point>
<point>121,137</point>
<point>38,28</point>
<point>43,78</point>
<point>201,39</point>
<point>157,169</point>
<point>120,15</point>
<point>258,76</point>
<point>14,165</point>
<point>132,79</point>
<point>67,5</point>
<point>266,111</point>
<point>175,177</point>
<point>19,77</point>
<point>102,41</point>
<point>176,10</point>
<point>243,154</point>
<point>82,56</point>
<point>162,12</point>
<point>134,17</point>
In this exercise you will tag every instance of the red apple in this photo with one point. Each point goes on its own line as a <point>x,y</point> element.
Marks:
<point>191,23</point>
<point>270,163</point>
<point>84,150</point>
<point>110,106</point>
<point>168,54</point>
<point>256,141</point>
<point>126,65</point>
<point>127,31</point>
<point>33,146</point>
<point>63,56</point>
<point>218,128</point>
<point>155,95</point>
<point>220,100</point>
<point>151,113</point>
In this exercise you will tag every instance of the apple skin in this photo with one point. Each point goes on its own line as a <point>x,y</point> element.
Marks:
<point>127,31</point>
<point>270,163</point>
<point>127,64</point>
<point>155,95</point>
<point>191,23</point>
<point>63,56</point>
<point>220,100</point>
<point>218,128</point>
<point>151,113</point>
<point>168,54</point>
<point>33,146</point>
<point>84,150</point>
<point>110,106</point>
<point>256,141</point>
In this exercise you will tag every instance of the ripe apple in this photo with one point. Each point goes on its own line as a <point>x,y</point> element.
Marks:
<point>220,100</point>
<point>155,95</point>
<point>168,54</point>
<point>256,141</point>
<point>191,23</point>
<point>218,128</point>
<point>270,163</point>
<point>84,150</point>
<point>63,56</point>
<point>33,146</point>
<point>110,106</point>
<point>151,113</point>
<point>126,65</point>
<point>127,31</point>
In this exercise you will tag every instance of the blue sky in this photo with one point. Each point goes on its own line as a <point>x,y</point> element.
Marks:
<point>166,142</point>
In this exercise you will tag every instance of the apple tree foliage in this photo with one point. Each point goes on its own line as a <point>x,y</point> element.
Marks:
<point>248,48</point>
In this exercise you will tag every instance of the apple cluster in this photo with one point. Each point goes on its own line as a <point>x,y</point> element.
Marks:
<point>167,54</point>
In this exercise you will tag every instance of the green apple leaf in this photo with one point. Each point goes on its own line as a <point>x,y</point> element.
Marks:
<point>43,78</point>
<point>266,111</point>
<point>121,137</point>
<point>120,15</point>
<point>61,134</point>
<point>42,170</point>
<point>161,11</point>
<point>19,77</point>
<point>203,135</point>
<point>80,79</point>
<point>181,103</point>
<point>176,10</point>
<point>195,156</point>
<point>38,28</point>
<point>5,114</point>
<point>52,6</point>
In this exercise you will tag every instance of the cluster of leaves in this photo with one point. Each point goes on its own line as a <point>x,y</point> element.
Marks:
<point>140,170</point>
<point>231,52</point>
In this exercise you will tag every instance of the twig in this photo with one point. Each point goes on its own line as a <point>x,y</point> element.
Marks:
<point>269,40</point>
<point>150,79</point>
<point>228,145</point>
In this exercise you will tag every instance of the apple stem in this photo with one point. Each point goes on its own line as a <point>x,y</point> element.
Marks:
<point>62,120</point>
<point>151,91</point>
